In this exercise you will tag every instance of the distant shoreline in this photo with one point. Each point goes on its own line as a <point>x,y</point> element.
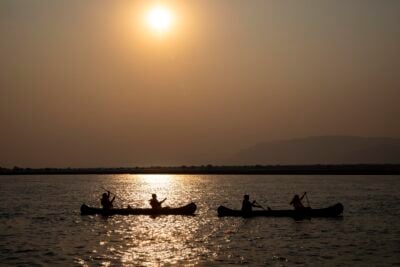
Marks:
<point>345,169</point>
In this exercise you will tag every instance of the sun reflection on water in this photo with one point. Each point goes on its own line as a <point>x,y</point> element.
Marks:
<point>137,189</point>
<point>149,241</point>
<point>156,179</point>
<point>164,240</point>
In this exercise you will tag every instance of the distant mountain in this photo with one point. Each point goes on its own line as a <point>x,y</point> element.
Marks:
<point>322,150</point>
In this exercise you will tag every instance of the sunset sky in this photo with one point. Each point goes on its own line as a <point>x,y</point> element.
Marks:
<point>102,83</point>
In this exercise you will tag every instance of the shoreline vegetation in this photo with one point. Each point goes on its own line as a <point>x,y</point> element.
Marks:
<point>344,169</point>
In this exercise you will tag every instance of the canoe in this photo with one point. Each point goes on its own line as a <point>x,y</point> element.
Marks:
<point>184,210</point>
<point>332,211</point>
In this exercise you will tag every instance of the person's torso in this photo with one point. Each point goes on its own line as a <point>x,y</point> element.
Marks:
<point>246,206</point>
<point>298,205</point>
<point>155,204</point>
<point>106,203</point>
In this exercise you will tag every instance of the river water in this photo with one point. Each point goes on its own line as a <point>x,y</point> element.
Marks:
<point>40,221</point>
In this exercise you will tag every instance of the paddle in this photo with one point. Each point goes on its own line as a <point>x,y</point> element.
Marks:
<point>260,205</point>
<point>123,199</point>
<point>308,202</point>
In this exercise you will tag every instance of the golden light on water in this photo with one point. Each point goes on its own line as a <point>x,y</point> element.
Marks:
<point>159,19</point>
<point>156,179</point>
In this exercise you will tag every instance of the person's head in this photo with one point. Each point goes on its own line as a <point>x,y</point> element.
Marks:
<point>246,197</point>
<point>104,195</point>
<point>296,197</point>
<point>154,196</point>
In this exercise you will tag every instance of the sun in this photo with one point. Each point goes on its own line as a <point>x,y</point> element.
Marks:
<point>159,19</point>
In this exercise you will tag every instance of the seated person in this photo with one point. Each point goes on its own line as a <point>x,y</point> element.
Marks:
<point>247,206</point>
<point>105,201</point>
<point>296,202</point>
<point>154,203</point>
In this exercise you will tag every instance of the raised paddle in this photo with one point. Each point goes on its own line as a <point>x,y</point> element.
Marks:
<point>123,199</point>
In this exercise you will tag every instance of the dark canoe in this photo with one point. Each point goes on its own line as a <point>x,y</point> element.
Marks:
<point>185,210</point>
<point>332,211</point>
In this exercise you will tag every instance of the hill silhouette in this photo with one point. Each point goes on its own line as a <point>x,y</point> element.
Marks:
<point>322,150</point>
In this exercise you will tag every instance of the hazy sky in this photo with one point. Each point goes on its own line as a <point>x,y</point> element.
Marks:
<point>86,83</point>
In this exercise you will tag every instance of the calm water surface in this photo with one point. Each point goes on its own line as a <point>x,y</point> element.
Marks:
<point>40,223</point>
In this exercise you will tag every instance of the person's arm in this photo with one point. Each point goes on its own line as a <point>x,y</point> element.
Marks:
<point>303,195</point>
<point>112,200</point>
<point>255,204</point>
<point>163,200</point>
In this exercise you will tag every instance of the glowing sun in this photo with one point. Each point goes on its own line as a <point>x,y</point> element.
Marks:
<point>159,19</point>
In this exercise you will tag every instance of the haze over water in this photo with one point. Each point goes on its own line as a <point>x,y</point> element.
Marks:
<point>90,84</point>
<point>40,223</point>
